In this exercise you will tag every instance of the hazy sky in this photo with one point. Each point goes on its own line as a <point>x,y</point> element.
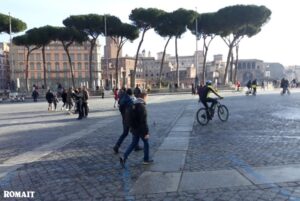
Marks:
<point>277,42</point>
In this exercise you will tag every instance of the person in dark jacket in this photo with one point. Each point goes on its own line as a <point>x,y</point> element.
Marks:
<point>49,98</point>
<point>35,95</point>
<point>126,100</point>
<point>140,131</point>
<point>85,107</point>
<point>79,100</point>
<point>137,91</point>
<point>64,99</point>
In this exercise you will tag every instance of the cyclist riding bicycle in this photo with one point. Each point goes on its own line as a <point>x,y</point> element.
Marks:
<point>204,92</point>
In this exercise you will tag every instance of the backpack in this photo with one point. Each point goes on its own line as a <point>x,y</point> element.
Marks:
<point>131,116</point>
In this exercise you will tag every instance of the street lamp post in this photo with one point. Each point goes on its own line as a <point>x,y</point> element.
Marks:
<point>196,59</point>
<point>106,53</point>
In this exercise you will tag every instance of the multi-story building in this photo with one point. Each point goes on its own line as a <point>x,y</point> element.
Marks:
<point>186,62</point>
<point>249,69</point>
<point>215,69</point>
<point>57,65</point>
<point>4,66</point>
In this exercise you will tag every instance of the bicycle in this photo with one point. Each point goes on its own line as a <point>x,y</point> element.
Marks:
<point>203,119</point>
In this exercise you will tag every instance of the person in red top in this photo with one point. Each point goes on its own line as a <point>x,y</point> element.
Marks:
<point>116,97</point>
<point>238,85</point>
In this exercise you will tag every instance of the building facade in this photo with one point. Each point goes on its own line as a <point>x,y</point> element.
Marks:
<point>249,69</point>
<point>57,66</point>
<point>4,66</point>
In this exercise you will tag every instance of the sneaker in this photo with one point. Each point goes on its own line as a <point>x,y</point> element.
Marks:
<point>138,148</point>
<point>122,162</point>
<point>116,149</point>
<point>148,162</point>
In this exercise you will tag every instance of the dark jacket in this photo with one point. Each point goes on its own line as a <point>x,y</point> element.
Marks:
<point>64,96</point>
<point>137,92</point>
<point>49,97</point>
<point>141,113</point>
<point>124,102</point>
<point>85,95</point>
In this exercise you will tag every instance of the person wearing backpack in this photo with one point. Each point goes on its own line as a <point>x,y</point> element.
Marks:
<point>139,129</point>
<point>125,101</point>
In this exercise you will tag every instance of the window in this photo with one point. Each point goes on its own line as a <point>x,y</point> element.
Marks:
<point>56,57</point>
<point>79,57</point>
<point>48,57</point>
<point>21,57</point>
<point>65,58</point>
<point>72,57</point>
<point>31,57</point>
<point>39,75</point>
<point>57,66</point>
<point>38,57</point>
<point>86,57</point>
<point>65,66</point>
<point>49,66</point>
<point>248,65</point>
<point>38,66</point>
<point>86,66</point>
<point>31,66</point>
<point>79,66</point>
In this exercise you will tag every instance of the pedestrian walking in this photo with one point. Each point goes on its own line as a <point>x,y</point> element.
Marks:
<point>64,99</point>
<point>139,129</point>
<point>125,102</point>
<point>49,98</point>
<point>79,99</point>
<point>116,96</point>
<point>55,101</point>
<point>85,107</point>
<point>35,95</point>
<point>101,91</point>
<point>69,100</point>
<point>137,91</point>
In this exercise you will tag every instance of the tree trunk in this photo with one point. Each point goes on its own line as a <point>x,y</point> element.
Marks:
<point>236,63</point>
<point>231,67</point>
<point>26,69</point>
<point>71,66</point>
<point>227,63</point>
<point>162,62</point>
<point>117,66</point>
<point>93,42</point>
<point>177,63</point>
<point>205,49</point>
<point>136,58</point>
<point>44,66</point>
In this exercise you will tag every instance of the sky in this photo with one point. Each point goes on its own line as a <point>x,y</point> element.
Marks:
<point>277,42</point>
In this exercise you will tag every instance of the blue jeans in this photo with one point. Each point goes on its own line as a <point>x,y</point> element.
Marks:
<point>134,143</point>
<point>124,134</point>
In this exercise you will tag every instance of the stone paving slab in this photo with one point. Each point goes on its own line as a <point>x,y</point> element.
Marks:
<point>212,179</point>
<point>168,161</point>
<point>274,174</point>
<point>179,134</point>
<point>156,182</point>
<point>175,143</point>
<point>179,128</point>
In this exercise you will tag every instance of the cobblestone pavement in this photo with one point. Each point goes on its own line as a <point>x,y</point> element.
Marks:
<point>261,131</point>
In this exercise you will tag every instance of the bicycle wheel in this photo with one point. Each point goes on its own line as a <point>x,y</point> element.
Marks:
<point>202,116</point>
<point>223,113</point>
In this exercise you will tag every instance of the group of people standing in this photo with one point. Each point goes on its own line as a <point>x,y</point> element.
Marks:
<point>78,96</point>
